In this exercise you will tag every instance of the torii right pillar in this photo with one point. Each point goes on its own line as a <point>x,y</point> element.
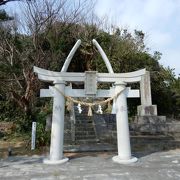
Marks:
<point>146,108</point>
<point>123,139</point>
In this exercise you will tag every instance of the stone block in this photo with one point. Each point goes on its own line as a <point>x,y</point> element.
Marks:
<point>143,110</point>
<point>174,129</point>
<point>150,119</point>
<point>149,125</point>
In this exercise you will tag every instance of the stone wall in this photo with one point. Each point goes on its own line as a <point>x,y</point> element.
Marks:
<point>143,128</point>
<point>151,125</point>
<point>105,127</point>
<point>67,130</point>
<point>155,125</point>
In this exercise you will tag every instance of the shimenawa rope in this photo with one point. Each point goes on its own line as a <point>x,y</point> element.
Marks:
<point>89,104</point>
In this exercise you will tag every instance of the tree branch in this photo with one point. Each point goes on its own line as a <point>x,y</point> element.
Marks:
<point>3,2</point>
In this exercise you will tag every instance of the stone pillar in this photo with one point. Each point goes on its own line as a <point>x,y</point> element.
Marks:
<point>146,108</point>
<point>57,130</point>
<point>123,139</point>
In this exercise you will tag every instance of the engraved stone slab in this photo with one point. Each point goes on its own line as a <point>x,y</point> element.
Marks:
<point>90,83</point>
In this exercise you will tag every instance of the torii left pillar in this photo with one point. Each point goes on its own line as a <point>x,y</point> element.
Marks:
<point>57,130</point>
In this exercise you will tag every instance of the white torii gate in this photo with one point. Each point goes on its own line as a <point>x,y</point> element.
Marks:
<point>90,78</point>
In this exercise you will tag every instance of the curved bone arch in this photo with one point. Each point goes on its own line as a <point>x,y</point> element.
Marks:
<point>74,49</point>
<point>112,77</point>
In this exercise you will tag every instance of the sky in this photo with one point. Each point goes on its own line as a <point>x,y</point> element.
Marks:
<point>158,19</point>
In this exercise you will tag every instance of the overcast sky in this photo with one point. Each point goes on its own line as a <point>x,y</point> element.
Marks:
<point>158,19</point>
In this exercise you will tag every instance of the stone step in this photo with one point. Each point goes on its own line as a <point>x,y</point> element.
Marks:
<point>86,141</point>
<point>83,128</point>
<point>83,121</point>
<point>80,136</point>
<point>86,125</point>
<point>85,137</point>
<point>85,132</point>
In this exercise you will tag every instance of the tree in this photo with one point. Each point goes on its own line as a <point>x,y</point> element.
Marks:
<point>20,52</point>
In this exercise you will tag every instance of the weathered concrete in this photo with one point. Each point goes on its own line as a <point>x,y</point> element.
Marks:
<point>122,125</point>
<point>174,129</point>
<point>150,125</point>
<point>157,166</point>
<point>144,110</point>
<point>142,125</point>
<point>150,119</point>
<point>57,130</point>
<point>155,125</point>
<point>145,89</point>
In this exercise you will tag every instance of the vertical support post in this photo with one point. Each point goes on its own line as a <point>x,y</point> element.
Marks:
<point>145,88</point>
<point>57,130</point>
<point>33,136</point>
<point>123,139</point>
<point>146,108</point>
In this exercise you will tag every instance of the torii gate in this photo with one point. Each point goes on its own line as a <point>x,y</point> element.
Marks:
<point>90,78</point>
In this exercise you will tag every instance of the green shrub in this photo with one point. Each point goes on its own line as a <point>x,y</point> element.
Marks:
<point>43,136</point>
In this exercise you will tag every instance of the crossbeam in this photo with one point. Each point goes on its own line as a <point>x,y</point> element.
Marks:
<point>51,76</point>
<point>81,92</point>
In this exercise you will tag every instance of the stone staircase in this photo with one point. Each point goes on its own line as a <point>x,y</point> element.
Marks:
<point>84,128</point>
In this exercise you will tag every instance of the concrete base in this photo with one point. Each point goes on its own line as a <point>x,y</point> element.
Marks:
<point>143,110</point>
<point>54,162</point>
<point>117,159</point>
<point>150,120</point>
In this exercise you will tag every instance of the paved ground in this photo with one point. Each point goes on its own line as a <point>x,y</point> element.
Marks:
<point>92,166</point>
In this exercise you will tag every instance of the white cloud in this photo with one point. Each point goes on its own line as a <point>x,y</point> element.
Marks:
<point>161,39</point>
<point>160,19</point>
<point>159,9</point>
<point>171,58</point>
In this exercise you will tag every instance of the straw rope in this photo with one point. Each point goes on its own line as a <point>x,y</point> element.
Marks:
<point>87,103</point>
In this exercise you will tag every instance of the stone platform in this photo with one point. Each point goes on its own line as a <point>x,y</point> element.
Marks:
<point>93,166</point>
